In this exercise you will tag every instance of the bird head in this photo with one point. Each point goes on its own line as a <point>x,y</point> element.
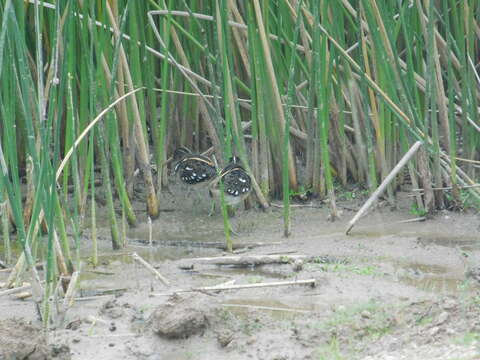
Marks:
<point>181,152</point>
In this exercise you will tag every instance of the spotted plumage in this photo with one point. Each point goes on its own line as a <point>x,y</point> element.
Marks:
<point>236,183</point>
<point>193,168</point>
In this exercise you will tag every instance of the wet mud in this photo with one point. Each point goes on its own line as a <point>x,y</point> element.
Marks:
<point>390,290</point>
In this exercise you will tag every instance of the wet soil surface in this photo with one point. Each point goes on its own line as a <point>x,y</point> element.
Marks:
<point>389,290</point>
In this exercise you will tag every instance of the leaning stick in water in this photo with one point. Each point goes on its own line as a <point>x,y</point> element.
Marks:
<point>154,271</point>
<point>383,185</point>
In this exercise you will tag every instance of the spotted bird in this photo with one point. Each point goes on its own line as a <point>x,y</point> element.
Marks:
<point>193,168</point>
<point>237,184</point>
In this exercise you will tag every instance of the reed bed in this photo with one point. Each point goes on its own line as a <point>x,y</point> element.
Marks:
<point>311,95</point>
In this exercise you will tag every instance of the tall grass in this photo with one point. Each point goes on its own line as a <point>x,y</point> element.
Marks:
<point>312,95</point>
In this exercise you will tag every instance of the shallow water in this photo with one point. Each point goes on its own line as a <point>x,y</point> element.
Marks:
<point>465,243</point>
<point>432,278</point>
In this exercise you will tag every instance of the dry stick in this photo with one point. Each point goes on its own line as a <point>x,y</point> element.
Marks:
<point>15,290</point>
<point>89,127</point>
<point>310,282</point>
<point>90,298</point>
<point>62,265</point>
<point>107,292</point>
<point>384,185</point>
<point>23,295</point>
<point>69,298</point>
<point>445,188</point>
<point>70,294</point>
<point>154,271</point>
<point>251,259</point>
<point>202,244</point>
<point>422,218</point>
<point>150,232</point>
<point>114,335</point>
<point>268,308</point>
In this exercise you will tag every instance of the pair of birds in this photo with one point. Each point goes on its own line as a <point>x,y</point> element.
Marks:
<point>195,169</point>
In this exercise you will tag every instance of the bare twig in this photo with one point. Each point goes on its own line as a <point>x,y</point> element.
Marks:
<point>87,129</point>
<point>24,287</point>
<point>23,295</point>
<point>310,282</point>
<point>448,188</point>
<point>268,308</point>
<point>70,294</point>
<point>422,218</point>
<point>249,260</point>
<point>384,185</point>
<point>149,267</point>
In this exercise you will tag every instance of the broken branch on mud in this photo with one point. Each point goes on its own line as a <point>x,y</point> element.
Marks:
<point>24,287</point>
<point>390,177</point>
<point>310,282</point>
<point>251,260</point>
<point>268,308</point>
<point>202,244</point>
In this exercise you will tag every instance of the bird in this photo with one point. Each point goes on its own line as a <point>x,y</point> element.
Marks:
<point>237,184</point>
<point>192,168</point>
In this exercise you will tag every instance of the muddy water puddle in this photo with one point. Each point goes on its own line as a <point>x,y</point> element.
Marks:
<point>118,271</point>
<point>425,237</point>
<point>431,278</point>
<point>464,243</point>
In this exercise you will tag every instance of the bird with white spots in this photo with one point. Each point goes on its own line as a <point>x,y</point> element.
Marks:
<point>237,184</point>
<point>192,168</point>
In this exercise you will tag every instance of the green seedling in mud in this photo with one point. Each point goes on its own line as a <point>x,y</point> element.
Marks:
<point>369,320</point>
<point>254,279</point>
<point>328,260</point>
<point>367,270</point>
<point>250,327</point>
<point>329,351</point>
<point>423,320</point>
<point>243,323</point>
<point>464,200</point>
<point>361,246</point>
<point>301,193</point>
<point>416,211</point>
<point>346,193</point>
<point>467,339</point>
<point>224,314</point>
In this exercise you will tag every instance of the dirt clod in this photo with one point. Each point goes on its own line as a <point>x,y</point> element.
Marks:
<point>113,309</point>
<point>224,337</point>
<point>181,316</point>
<point>298,265</point>
<point>442,318</point>
<point>20,340</point>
